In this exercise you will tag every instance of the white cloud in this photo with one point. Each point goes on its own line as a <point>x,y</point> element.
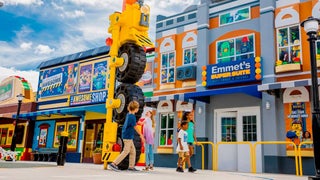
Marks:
<point>43,49</point>
<point>30,76</point>
<point>26,45</point>
<point>23,2</point>
<point>74,14</point>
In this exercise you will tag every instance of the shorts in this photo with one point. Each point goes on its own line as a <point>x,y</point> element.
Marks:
<point>190,143</point>
<point>183,154</point>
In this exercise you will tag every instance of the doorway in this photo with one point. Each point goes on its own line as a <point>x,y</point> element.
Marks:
<point>237,125</point>
<point>93,139</point>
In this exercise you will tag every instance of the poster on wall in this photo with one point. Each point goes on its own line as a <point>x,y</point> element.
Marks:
<point>85,78</point>
<point>58,81</point>
<point>43,137</point>
<point>298,126</point>
<point>59,129</point>
<point>234,16</point>
<point>99,75</point>
<point>6,90</point>
<point>146,79</point>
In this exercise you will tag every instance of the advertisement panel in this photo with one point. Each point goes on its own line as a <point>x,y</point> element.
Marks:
<point>99,75</point>
<point>6,90</point>
<point>88,98</point>
<point>58,81</point>
<point>85,78</point>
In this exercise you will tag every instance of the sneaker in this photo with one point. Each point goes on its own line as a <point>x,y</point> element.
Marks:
<point>191,169</point>
<point>133,169</point>
<point>113,167</point>
<point>179,169</point>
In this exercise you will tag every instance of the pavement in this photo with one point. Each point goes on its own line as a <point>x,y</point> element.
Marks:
<point>30,170</point>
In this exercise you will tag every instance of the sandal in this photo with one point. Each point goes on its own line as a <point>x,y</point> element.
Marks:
<point>151,167</point>
<point>146,168</point>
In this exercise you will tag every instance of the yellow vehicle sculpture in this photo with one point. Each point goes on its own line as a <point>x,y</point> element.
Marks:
<point>129,30</point>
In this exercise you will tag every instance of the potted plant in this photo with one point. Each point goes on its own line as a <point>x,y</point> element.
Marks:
<point>97,155</point>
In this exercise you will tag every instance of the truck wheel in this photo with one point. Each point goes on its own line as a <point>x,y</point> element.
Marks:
<point>134,63</point>
<point>137,144</point>
<point>126,93</point>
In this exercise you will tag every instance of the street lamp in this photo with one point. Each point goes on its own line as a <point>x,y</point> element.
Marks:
<point>311,26</point>
<point>14,138</point>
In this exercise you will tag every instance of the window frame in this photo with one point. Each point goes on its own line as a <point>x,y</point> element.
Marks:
<point>168,67</point>
<point>235,55</point>
<point>290,45</point>
<point>234,21</point>
<point>167,129</point>
<point>191,48</point>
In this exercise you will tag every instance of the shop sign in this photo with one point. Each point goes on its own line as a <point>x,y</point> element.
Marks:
<point>6,90</point>
<point>233,72</point>
<point>88,98</point>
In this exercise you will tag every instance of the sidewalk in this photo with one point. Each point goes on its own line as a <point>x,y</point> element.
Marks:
<point>28,170</point>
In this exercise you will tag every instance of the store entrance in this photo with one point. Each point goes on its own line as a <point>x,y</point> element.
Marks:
<point>93,139</point>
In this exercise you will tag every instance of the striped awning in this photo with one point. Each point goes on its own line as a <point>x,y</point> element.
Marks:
<point>180,97</point>
<point>284,84</point>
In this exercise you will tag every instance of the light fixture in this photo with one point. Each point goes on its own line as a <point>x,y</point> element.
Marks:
<point>14,138</point>
<point>268,105</point>
<point>199,110</point>
<point>311,26</point>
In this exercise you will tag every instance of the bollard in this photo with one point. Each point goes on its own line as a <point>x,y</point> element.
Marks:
<point>61,157</point>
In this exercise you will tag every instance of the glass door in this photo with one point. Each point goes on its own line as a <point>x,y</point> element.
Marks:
<point>92,140</point>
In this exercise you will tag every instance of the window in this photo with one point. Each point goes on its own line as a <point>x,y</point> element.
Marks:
<point>189,55</point>
<point>3,136</point>
<point>166,129</point>
<point>234,16</point>
<point>43,135</point>
<point>249,128</point>
<point>228,129</point>
<point>235,49</point>
<point>288,44</point>
<point>72,129</point>
<point>168,67</point>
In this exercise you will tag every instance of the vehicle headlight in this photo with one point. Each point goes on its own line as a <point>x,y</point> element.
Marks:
<point>145,9</point>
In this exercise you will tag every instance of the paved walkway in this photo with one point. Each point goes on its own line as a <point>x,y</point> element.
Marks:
<point>25,170</point>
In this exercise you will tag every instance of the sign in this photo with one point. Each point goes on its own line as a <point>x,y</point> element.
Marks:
<point>58,81</point>
<point>6,90</point>
<point>88,98</point>
<point>240,71</point>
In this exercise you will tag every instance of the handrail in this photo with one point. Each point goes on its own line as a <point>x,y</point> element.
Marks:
<point>274,142</point>
<point>238,143</point>
<point>212,145</point>
<point>299,154</point>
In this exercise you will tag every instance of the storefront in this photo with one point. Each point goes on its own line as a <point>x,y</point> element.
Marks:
<point>9,89</point>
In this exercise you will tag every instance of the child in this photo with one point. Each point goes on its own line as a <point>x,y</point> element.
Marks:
<point>148,133</point>
<point>127,135</point>
<point>183,149</point>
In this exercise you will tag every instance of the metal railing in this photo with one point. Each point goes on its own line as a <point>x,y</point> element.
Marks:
<point>202,152</point>
<point>300,157</point>
<point>275,142</point>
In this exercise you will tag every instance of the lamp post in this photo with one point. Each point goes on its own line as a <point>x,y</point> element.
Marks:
<point>311,26</point>
<point>14,138</point>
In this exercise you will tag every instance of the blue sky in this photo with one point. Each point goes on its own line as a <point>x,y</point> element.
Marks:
<point>32,31</point>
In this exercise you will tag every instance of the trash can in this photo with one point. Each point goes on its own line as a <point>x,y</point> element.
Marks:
<point>61,157</point>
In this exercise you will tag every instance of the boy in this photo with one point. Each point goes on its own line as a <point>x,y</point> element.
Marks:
<point>182,148</point>
<point>128,135</point>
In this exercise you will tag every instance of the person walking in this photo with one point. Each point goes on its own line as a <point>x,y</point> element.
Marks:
<point>149,125</point>
<point>183,149</point>
<point>192,138</point>
<point>127,136</point>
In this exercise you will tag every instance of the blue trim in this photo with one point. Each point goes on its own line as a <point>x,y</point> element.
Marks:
<point>52,102</point>
<point>251,90</point>
<point>174,27</point>
<point>77,111</point>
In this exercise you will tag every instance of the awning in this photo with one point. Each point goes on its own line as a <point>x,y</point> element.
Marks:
<point>180,97</point>
<point>285,84</point>
<point>251,90</point>
<point>75,111</point>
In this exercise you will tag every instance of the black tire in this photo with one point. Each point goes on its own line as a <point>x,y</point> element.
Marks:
<point>127,93</point>
<point>134,63</point>
<point>124,164</point>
